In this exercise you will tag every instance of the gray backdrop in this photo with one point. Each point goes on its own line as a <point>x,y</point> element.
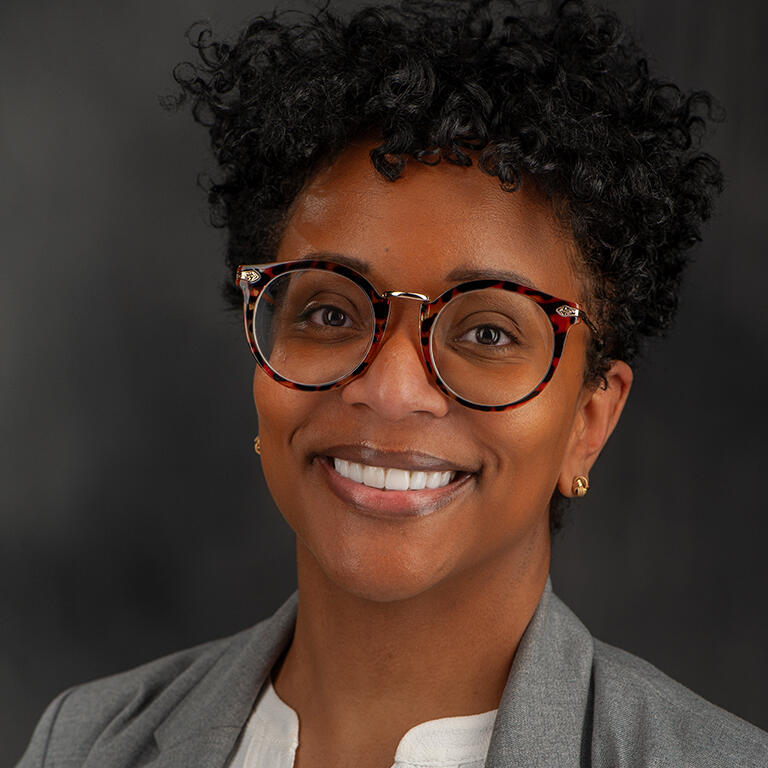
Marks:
<point>134,516</point>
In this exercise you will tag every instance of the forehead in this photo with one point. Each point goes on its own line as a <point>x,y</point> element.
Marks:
<point>432,221</point>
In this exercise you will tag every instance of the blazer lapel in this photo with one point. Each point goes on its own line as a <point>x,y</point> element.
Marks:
<point>543,714</point>
<point>204,724</point>
<point>204,729</point>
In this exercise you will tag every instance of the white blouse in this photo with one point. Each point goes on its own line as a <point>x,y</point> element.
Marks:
<point>271,738</point>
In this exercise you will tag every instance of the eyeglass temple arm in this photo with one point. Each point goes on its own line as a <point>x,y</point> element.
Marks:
<point>593,328</point>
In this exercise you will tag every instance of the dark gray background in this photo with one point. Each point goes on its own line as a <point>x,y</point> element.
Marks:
<point>134,516</point>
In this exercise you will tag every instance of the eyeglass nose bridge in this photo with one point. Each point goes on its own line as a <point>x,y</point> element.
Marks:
<point>422,298</point>
<point>383,327</point>
<point>405,295</point>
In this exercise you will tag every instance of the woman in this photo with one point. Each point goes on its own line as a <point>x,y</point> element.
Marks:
<point>450,228</point>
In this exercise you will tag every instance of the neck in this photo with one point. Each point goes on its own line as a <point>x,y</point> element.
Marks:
<point>441,653</point>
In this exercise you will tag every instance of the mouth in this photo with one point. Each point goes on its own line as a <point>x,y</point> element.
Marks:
<point>391,478</point>
<point>393,485</point>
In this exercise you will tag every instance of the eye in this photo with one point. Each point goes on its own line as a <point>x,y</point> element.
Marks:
<point>488,336</point>
<point>329,316</point>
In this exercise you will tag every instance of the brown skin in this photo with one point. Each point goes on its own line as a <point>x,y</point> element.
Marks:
<point>403,621</point>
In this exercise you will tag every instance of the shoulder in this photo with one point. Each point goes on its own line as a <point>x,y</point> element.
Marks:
<point>80,716</point>
<point>193,700</point>
<point>641,712</point>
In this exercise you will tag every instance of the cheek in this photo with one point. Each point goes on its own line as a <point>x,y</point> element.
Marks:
<point>281,411</point>
<point>526,448</point>
<point>286,417</point>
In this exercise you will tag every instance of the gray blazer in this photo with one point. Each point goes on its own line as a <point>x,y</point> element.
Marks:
<point>570,700</point>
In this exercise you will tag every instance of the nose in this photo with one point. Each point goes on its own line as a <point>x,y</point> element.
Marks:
<point>396,384</point>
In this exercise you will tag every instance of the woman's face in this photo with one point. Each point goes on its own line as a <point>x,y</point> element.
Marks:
<point>425,232</point>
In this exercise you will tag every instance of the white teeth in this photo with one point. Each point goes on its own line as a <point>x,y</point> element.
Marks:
<point>355,471</point>
<point>397,480</point>
<point>391,479</point>
<point>373,476</point>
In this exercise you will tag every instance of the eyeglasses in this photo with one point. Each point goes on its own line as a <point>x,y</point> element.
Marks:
<point>489,344</point>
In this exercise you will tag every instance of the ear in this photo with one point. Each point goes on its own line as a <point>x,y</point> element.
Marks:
<point>596,416</point>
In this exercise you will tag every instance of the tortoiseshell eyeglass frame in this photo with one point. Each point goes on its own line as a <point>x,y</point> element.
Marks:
<point>562,314</point>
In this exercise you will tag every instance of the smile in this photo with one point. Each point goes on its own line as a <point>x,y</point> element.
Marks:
<point>391,479</point>
<point>394,493</point>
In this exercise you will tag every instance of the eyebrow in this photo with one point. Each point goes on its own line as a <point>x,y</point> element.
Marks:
<point>348,261</point>
<point>457,275</point>
<point>463,274</point>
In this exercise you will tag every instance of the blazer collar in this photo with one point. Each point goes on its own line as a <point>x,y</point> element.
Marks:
<point>543,715</point>
<point>540,721</point>
<point>203,729</point>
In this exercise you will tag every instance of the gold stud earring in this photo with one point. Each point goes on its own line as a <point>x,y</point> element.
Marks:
<point>257,445</point>
<point>580,485</point>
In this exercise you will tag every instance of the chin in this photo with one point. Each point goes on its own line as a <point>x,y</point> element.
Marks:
<point>379,576</point>
<point>379,590</point>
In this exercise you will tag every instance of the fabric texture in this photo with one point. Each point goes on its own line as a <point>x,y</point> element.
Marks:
<point>271,735</point>
<point>570,701</point>
<point>271,738</point>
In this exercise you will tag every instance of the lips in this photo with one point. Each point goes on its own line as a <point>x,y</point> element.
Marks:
<point>373,481</point>
<point>411,461</point>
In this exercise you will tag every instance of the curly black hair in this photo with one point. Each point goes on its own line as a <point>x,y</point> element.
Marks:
<point>561,96</point>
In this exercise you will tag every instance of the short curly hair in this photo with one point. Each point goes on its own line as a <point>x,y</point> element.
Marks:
<point>559,95</point>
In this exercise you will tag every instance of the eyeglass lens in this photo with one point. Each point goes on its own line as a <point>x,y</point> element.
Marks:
<point>489,346</point>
